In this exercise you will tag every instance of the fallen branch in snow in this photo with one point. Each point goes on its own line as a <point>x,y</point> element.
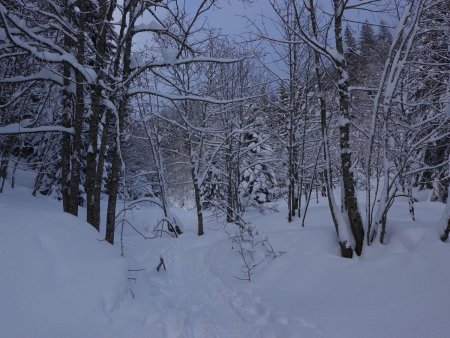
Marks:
<point>171,230</point>
<point>161,263</point>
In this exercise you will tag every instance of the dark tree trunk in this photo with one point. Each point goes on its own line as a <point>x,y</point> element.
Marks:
<point>112,198</point>
<point>197,194</point>
<point>100,167</point>
<point>121,112</point>
<point>444,236</point>
<point>446,233</point>
<point>291,171</point>
<point>346,250</point>
<point>95,158</point>
<point>78,121</point>
<point>198,204</point>
<point>323,124</point>
<point>65,137</point>
<point>65,151</point>
<point>4,160</point>
<point>114,176</point>
<point>350,200</point>
<point>92,216</point>
<point>383,227</point>
<point>230,216</point>
<point>411,201</point>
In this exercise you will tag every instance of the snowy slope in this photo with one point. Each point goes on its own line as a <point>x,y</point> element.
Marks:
<point>58,280</point>
<point>396,290</point>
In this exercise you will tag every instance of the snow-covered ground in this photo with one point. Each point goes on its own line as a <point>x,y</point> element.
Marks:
<point>59,280</point>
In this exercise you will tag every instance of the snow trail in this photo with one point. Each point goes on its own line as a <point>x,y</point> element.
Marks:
<point>67,283</point>
<point>192,299</point>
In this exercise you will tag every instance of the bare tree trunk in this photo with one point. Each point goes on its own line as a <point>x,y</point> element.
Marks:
<point>323,125</point>
<point>116,168</point>
<point>4,160</point>
<point>446,233</point>
<point>65,137</point>
<point>229,166</point>
<point>195,158</point>
<point>411,200</point>
<point>229,211</point>
<point>293,83</point>
<point>398,53</point>
<point>78,120</point>
<point>120,123</point>
<point>101,165</point>
<point>383,227</point>
<point>92,216</point>
<point>291,193</point>
<point>16,165</point>
<point>113,190</point>
<point>444,236</point>
<point>155,143</point>
<point>94,161</point>
<point>198,204</point>
<point>158,159</point>
<point>235,170</point>
<point>350,200</point>
<point>302,159</point>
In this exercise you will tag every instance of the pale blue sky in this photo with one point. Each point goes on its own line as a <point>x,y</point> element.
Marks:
<point>231,16</point>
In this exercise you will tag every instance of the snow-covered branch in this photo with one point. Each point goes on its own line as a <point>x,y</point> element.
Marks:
<point>16,128</point>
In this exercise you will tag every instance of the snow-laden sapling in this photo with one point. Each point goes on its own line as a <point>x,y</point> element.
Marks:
<point>252,249</point>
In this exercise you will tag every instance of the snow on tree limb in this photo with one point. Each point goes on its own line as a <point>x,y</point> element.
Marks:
<point>138,90</point>
<point>42,75</point>
<point>16,128</point>
<point>41,49</point>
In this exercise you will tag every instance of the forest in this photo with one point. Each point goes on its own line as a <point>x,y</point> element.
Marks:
<point>332,113</point>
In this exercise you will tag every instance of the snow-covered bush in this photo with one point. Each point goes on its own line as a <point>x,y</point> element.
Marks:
<point>258,178</point>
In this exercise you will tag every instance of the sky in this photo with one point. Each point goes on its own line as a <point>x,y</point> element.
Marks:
<point>237,18</point>
<point>234,17</point>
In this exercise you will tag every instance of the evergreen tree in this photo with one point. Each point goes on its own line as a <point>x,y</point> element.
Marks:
<point>258,179</point>
<point>368,56</point>
<point>351,56</point>
<point>383,39</point>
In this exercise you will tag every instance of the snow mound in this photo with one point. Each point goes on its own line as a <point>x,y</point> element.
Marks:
<point>57,279</point>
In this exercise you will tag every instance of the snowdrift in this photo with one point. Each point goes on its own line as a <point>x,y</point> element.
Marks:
<point>57,278</point>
